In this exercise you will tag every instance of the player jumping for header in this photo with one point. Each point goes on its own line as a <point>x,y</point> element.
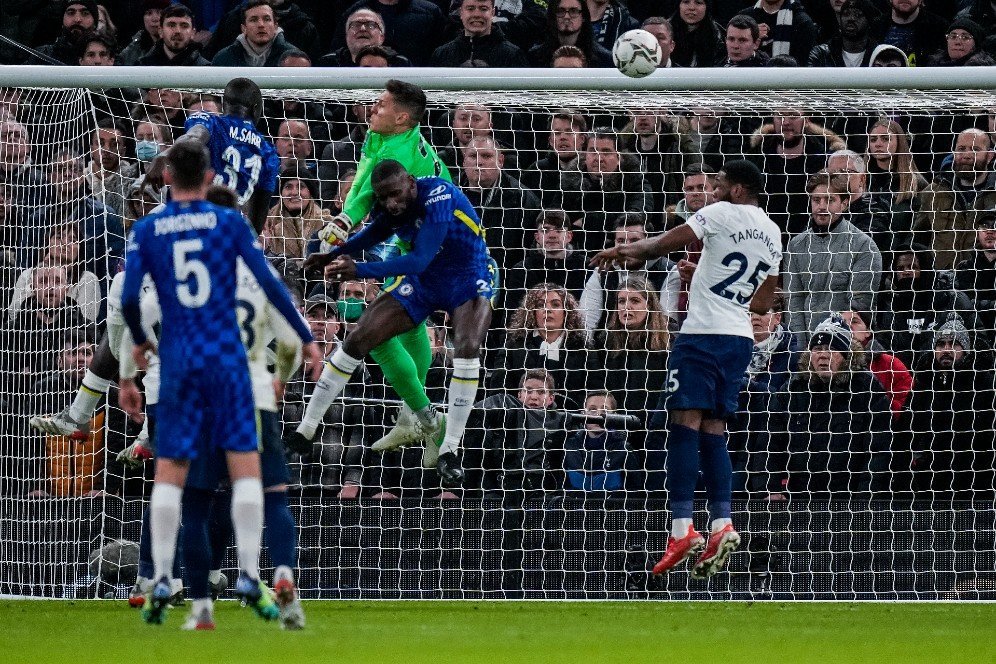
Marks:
<point>737,274</point>
<point>393,133</point>
<point>245,162</point>
<point>446,269</point>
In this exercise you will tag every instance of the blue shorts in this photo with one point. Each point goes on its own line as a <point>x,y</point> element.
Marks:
<point>422,295</point>
<point>706,372</point>
<point>209,471</point>
<point>204,410</point>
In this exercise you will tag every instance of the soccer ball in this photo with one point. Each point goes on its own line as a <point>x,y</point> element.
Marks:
<point>636,53</point>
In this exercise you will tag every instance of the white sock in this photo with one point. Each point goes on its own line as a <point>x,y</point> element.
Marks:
<point>201,604</point>
<point>460,400</point>
<point>679,527</point>
<point>718,524</point>
<point>214,576</point>
<point>247,521</point>
<point>283,572</point>
<point>164,522</point>
<point>89,394</point>
<point>335,374</point>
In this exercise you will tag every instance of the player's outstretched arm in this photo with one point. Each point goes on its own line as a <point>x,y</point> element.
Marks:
<point>427,244</point>
<point>644,250</point>
<point>370,235</point>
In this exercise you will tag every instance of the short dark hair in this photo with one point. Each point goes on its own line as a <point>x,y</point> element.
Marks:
<point>103,39</point>
<point>377,51</point>
<point>835,183</point>
<point>605,394</point>
<point>746,174</point>
<point>111,124</point>
<point>252,4</point>
<point>783,60</point>
<point>242,95</point>
<point>76,336</point>
<point>627,219</point>
<point>539,374</point>
<point>569,52</point>
<point>605,133</point>
<point>176,10</point>
<point>700,168</point>
<point>188,161</point>
<point>293,53</point>
<point>555,218</point>
<point>744,22</point>
<point>410,97</point>
<point>385,170</point>
<point>221,195</point>
<point>575,118</point>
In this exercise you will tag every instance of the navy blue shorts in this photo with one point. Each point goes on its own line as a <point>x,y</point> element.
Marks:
<point>706,372</point>
<point>421,295</point>
<point>201,411</point>
<point>210,471</point>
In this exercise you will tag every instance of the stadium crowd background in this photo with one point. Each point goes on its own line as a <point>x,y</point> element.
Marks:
<point>872,375</point>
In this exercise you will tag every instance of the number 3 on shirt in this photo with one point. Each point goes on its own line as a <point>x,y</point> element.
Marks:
<point>233,164</point>
<point>186,270</point>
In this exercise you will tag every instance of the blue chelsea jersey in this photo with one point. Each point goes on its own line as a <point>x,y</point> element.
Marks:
<point>242,159</point>
<point>190,250</point>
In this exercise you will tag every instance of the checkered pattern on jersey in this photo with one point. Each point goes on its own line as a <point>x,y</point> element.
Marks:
<point>242,159</point>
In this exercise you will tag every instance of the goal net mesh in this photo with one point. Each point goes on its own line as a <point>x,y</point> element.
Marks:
<point>863,473</point>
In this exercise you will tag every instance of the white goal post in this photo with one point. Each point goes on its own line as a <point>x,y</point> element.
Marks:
<point>849,485</point>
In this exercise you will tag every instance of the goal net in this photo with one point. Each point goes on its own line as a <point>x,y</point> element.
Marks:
<point>862,448</point>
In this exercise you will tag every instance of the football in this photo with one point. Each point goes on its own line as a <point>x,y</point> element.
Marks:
<point>636,53</point>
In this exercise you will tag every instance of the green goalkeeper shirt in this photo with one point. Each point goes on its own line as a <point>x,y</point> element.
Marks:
<point>409,148</point>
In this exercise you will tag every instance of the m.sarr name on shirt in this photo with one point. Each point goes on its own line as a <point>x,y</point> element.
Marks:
<point>755,234</point>
<point>245,135</point>
<point>186,222</point>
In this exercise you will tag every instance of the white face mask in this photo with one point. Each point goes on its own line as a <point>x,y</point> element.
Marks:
<point>146,150</point>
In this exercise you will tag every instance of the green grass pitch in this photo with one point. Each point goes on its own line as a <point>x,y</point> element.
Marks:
<point>507,632</point>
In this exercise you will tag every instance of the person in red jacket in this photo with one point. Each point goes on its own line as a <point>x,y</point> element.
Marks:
<point>891,373</point>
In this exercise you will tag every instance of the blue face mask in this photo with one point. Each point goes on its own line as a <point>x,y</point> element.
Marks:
<point>146,150</point>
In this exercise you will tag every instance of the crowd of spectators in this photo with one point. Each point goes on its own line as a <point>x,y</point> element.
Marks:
<point>872,374</point>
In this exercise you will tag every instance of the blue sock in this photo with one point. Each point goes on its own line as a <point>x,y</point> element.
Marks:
<point>280,531</point>
<point>221,527</point>
<point>717,474</point>
<point>197,545</point>
<point>682,469</point>
<point>145,567</point>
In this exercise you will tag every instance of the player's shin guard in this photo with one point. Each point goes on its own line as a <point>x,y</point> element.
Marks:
<point>682,475</point>
<point>197,543</point>
<point>91,391</point>
<point>717,474</point>
<point>460,400</point>
<point>221,527</point>
<point>336,373</point>
<point>281,539</point>
<point>164,521</point>
<point>247,520</point>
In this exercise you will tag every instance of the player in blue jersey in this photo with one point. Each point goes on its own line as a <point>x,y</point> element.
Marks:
<point>447,269</point>
<point>736,275</point>
<point>245,162</point>
<point>206,400</point>
<point>242,159</point>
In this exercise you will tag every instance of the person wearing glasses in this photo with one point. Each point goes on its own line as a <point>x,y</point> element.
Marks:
<point>364,28</point>
<point>414,28</point>
<point>569,24</point>
<point>963,40</point>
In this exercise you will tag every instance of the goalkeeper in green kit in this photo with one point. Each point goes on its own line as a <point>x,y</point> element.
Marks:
<point>393,133</point>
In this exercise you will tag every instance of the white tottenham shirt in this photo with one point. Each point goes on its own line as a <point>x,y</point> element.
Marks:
<point>741,248</point>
